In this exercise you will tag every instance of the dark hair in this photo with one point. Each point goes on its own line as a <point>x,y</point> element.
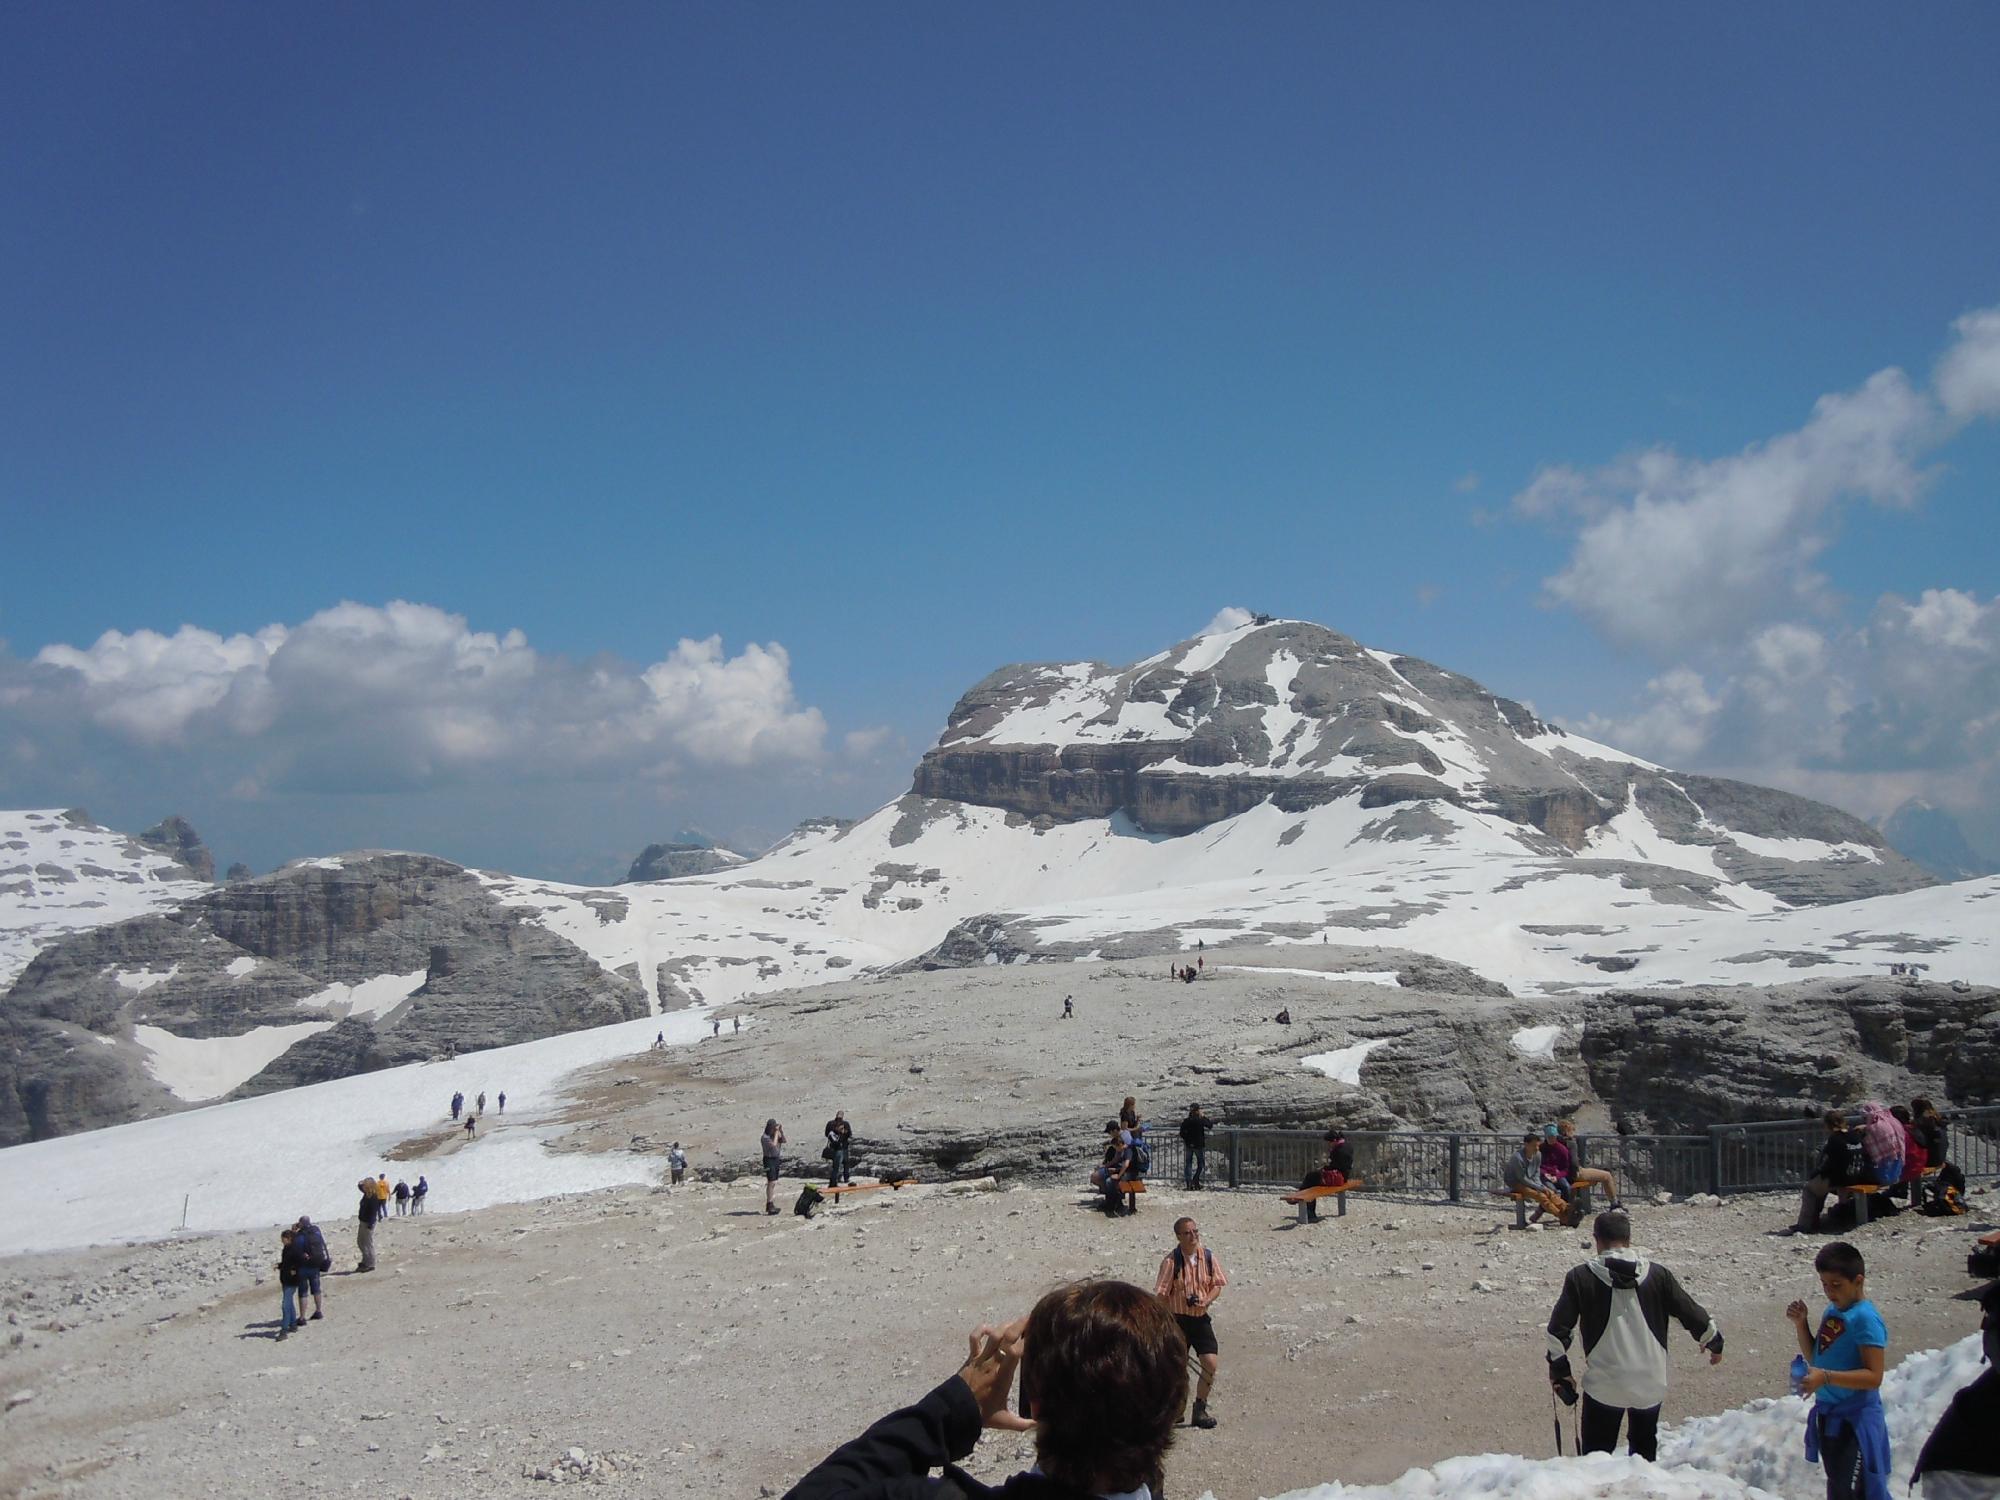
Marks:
<point>1900,1114</point>
<point>286,1234</point>
<point>1833,1119</point>
<point>1183,1219</point>
<point>1923,1106</point>
<point>1842,1259</point>
<point>1532,1138</point>
<point>1612,1228</point>
<point>1106,1369</point>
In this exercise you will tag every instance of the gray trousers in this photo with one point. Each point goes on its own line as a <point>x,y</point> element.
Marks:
<point>365,1241</point>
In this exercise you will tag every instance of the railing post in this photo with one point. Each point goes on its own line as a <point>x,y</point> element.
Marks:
<point>1452,1181</point>
<point>1715,1159</point>
<point>1235,1158</point>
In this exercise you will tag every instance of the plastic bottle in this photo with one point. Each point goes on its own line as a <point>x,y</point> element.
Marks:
<point>1799,1368</point>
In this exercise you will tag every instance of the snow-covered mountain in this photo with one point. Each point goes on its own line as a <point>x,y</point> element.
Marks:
<point>60,873</point>
<point>1275,783</point>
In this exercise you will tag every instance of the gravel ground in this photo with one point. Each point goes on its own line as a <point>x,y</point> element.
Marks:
<point>662,1343</point>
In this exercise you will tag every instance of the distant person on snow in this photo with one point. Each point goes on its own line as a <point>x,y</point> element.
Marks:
<point>417,1195</point>
<point>737,1023</point>
<point>716,1022</point>
<point>370,1211</point>
<point>470,1121</point>
<point>1103,1371</point>
<point>1623,1301</point>
<point>1069,1008</point>
<point>677,1163</point>
<point>773,1146</point>
<point>482,1101</point>
<point>503,1101</point>
<point>402,1196</point>
<point>838,1135</point>
<point>457,1104</point>
<point>383,1193</point>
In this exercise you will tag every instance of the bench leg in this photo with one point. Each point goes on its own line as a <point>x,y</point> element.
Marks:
<point>1520,1213</point>
<point>1861,1207</point>
<point>1302,1213</point>
<point>1341,1199</point>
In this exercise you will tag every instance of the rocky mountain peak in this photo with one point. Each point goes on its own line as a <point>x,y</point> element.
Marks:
<point>1290,713</point>
<point>175,837</point>
<point>1932,838</point>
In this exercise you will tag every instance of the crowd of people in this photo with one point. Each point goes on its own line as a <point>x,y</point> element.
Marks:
<point>1889,1149</point>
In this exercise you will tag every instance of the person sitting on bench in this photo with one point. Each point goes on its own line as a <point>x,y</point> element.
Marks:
<point>1523,1176</point>
<point>1119,1167</point>
<point>1338,1169</point>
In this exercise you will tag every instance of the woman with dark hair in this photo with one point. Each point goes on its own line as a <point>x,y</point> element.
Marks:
<point>1949,1183</point>
<point>1128,1113</point>
<point>1104,1378</point>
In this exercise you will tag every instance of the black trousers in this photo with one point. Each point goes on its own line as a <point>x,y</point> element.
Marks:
<point>1600,1428</point>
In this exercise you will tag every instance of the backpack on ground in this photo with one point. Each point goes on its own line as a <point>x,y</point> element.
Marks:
<point>809,1199</point>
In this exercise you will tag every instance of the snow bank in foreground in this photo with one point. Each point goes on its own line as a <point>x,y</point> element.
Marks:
<point>263,1161</point>
<point>1752,1453</point>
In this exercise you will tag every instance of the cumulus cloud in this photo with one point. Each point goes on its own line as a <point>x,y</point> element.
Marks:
<point>403,695</point>
<point>1673,552</point>
<point>1229,617</point>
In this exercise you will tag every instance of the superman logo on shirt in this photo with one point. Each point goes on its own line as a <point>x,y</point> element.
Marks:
<point>1830,1329</point>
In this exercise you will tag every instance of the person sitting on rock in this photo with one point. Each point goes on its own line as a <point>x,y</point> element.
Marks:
<point>1104,1380</point>
<point>1523,1176</point>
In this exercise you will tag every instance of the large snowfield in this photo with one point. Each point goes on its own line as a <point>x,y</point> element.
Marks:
<point>265,1160</point>
<point>1756,1450</point>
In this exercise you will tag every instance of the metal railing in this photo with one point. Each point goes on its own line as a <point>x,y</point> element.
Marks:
<point>1746,1157</point>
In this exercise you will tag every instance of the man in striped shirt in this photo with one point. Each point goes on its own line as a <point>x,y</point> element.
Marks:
<point>1190,1280</point>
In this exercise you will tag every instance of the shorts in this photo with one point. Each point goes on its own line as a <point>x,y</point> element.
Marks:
<point>1200,1333</point>
<point>309,1282</point>
<point>771,1166</point>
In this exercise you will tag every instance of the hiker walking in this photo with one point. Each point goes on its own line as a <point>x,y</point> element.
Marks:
<point>402,1197</point>
<point>716,1022</point>
<point>503,1101</point>
<point>773,1145</point>
<point>677,1163</point>
<point>291,1261</point>
<point>482,1101</point>
<point>1069,1008</point>
<point>1190,1280</point>
<point>370,1211</point>
<point>737,1023</point>
<point>838,1134</point>
<point>457,1104</point>
<point>1194,1136</point>
<point>417,1195</point>
<point>470,1121</point>
<point>1623,1302</point>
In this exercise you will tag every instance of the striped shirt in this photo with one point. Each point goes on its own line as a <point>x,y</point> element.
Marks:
<point>1201,1274</point>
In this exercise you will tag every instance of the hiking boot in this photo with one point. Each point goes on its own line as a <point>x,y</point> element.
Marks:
<point>315,1317</point>
<point>770,1208</point>
<point>1200,1417</point>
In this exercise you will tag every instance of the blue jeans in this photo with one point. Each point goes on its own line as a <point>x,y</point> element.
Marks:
<point>836,1166</point>
<point>1197,1160</point>
<point>288,1308</point>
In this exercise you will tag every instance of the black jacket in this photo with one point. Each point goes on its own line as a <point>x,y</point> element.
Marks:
<point>892,1460</point>
<point>1194,1131</point>
<point>1837,1164</point>
<point>371,1208</point>
<point>291,1260</point>
<point>1962,1441</point>
<point>1623,1302</point>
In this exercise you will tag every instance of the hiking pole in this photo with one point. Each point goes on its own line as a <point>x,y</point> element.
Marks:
<point>1556,1421</point>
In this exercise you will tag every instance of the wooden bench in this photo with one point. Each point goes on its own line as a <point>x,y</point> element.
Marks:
<point>1305,1197</point>
<point>1521,1202</point>
<point>867,1187</point>
<point>1862,1192</point>
<point>1130,1187</point>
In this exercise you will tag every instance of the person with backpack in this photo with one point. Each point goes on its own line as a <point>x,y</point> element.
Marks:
<point>402,1197</point>
<point>370,1211</point>
<point>1194,1137</point>
<point>457,1104</point>
<point>417,1195</point>
<point>1116,1168</point>
<point>839,1135</point>
<point>1190,1280</point>
<point>317,1260</point>
<point>1623,1301</point>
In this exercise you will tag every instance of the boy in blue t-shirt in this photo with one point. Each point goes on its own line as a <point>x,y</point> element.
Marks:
<point>1845,1430</point>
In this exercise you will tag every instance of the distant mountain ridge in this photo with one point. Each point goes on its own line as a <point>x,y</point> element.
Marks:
<point>1932,838</point>
<point>1271,784</point>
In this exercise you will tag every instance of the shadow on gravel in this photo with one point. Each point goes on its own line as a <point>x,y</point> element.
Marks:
<point>262,1330</point>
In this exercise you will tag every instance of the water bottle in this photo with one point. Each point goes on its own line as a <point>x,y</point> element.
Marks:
<point>1799,1368</point>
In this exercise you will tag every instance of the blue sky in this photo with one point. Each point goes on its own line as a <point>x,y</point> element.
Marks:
<point>918,339</point>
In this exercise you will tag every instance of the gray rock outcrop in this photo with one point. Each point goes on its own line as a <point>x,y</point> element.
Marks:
<point>175,837</point>
<point>277,951</point>
<point>670,861</point>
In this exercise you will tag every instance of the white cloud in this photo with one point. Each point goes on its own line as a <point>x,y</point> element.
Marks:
<point>1673,552</point>
<point>404,694</point>
<point>1229,617</point>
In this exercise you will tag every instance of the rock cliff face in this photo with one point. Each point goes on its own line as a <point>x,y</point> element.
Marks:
<point>1686,1059</point>
<point>673,860</point>
<point>327,967</point>
<point>1297,716</point>
<point>175,837</point>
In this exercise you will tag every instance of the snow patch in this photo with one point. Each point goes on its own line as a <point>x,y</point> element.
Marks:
<point>1536,1041</point>
<point>371,997</point>
<point>1343,1065</point>
<point>236,968</point>
<point>138,981</point>
<point>202,1068</point>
